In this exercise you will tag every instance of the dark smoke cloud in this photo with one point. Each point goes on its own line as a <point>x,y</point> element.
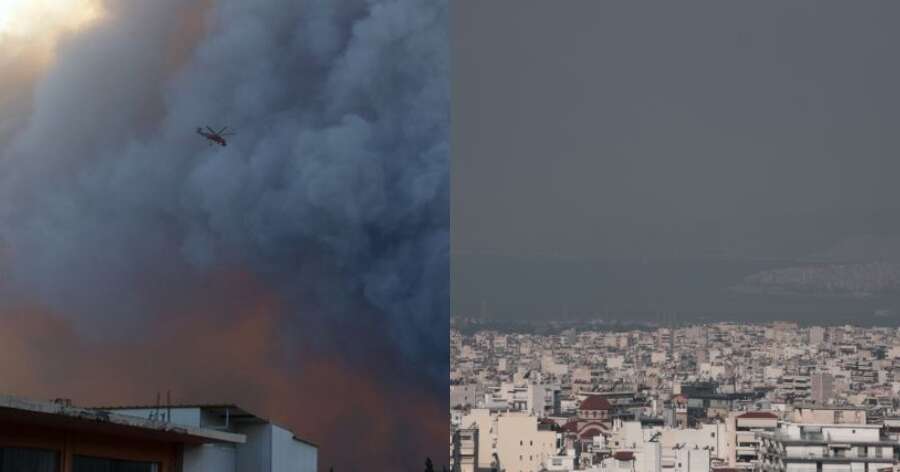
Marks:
<point>334,193</point>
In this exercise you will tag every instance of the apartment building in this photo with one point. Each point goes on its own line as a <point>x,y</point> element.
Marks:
<point>510,441</point>
<point>464,455</point>
<point>826,448</point>
<point>744,443</point>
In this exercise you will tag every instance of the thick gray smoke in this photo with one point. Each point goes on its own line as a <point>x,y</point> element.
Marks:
<point>334,190</point>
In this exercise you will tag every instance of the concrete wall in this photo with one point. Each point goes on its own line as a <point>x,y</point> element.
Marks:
<point>520,445</point>
<point>851,434</point>
<point>289,454</point>
<point>805,451</point>
<point>836,467</point>
<point>210,458</point>
<point>826,416</point>
<point>760,423</point>
<point>800,467</point>
<point>256,454</point>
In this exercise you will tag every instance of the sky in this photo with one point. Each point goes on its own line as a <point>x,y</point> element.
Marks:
<point>301,272</point>
<point>596,130</point>
<point>572,121</point>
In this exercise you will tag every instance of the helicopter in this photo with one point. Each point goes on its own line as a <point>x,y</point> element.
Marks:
<point>213,136</point>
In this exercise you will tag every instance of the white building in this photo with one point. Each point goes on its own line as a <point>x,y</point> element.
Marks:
<point>744,444</point>
<point>638,449</point>
<point>268,447</point>
<point>511,441</point>
<point>825,448</point>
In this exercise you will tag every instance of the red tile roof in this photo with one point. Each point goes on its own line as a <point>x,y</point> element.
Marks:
<point>595,402</point>
<point>759,414</point>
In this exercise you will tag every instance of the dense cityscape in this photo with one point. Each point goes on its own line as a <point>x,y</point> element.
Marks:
<point>723,397</point>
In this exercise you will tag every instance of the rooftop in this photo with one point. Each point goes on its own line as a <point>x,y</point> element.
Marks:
<point>767,415</point>
<point>64,415</point>
<point>595,402</point>
<point>224,410</point>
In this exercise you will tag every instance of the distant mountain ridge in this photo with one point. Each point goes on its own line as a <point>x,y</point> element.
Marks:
<point>861,265</point>
<point>861,248</point>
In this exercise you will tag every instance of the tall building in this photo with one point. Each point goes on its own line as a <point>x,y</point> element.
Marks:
<point>744,444</point>
<point>816,335</point>
<point>465,451</point>
<point>822,388</point>
<point>509,441</point>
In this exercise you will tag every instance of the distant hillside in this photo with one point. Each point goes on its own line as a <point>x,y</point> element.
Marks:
<point>861,249</point>
<point>543,288</point>
<point>826,279</point>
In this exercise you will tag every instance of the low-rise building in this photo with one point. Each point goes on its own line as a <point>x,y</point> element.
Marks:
<point>828,415</point>
<point>744,444</point>
<point>59,437</point>
<point>825,448</point>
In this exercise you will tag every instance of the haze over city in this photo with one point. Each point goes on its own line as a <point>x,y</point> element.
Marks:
<point>626,159</point>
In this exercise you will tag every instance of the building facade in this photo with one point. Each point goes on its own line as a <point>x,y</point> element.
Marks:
<point>826,448</point>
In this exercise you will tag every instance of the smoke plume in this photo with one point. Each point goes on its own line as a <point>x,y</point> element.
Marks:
<point>121,227</point>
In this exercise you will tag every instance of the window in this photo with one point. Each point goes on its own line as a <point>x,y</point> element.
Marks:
<point>97,464</point>
<point>14,459</point>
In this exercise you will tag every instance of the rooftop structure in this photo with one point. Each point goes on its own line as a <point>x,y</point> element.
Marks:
<point>65,438</point>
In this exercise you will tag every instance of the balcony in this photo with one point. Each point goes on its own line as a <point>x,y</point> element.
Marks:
<point>832,458</point>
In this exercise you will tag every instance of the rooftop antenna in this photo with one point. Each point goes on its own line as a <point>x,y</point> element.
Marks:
<point>154,415</point>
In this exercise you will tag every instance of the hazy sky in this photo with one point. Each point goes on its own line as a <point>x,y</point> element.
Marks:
<point>619,127</point>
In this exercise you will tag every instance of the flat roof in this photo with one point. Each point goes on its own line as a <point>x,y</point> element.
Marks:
<point>827,407</point>
<point>234,412</point>
<point>164,406</point>
<point>60,415</point>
